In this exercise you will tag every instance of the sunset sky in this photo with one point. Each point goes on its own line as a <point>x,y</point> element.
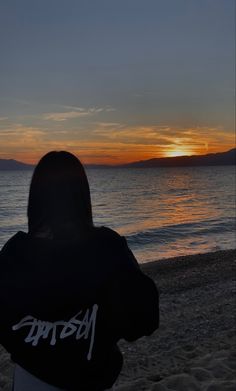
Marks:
<point>115,81</point>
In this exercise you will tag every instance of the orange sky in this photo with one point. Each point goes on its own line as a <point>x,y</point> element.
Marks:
<point>113,143</point>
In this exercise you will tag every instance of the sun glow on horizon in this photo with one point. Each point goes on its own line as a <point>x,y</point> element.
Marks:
<point>179,152</point>
<point>112,143</point>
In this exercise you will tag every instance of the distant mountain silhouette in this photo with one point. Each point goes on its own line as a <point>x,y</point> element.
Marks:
<point>212,159</point>
<point>11,164</point>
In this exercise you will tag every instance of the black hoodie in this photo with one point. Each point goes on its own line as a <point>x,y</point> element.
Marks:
<point>65,305</point>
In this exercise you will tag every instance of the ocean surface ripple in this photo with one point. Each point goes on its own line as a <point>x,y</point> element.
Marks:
<point>162,212</point>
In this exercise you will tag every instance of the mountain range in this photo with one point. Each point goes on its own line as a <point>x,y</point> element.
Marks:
<point>12,165</point>
<point>212,159</point>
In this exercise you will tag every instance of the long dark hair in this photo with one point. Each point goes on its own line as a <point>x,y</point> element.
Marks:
<point>59,196</point>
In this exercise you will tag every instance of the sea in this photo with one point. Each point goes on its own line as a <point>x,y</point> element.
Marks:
<point>162,212</point>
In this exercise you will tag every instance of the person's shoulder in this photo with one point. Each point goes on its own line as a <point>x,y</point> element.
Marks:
<point>107,233</point>
<point>110,237</point>
<point>13,243</point>
<point>117,246</point>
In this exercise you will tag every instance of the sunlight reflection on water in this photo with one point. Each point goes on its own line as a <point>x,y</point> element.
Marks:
<point>162,212</point>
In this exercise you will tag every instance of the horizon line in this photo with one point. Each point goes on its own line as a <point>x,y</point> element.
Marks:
<point>129,163</point>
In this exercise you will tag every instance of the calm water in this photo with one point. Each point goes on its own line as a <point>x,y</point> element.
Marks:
<point>162,212</point>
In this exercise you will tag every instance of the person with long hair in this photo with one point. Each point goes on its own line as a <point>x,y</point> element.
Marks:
<point>69,291</point>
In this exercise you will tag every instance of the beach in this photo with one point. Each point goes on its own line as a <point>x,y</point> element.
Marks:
<point>195,345</point>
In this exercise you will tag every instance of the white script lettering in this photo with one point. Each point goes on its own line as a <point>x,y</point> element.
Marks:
<point>82,328</point>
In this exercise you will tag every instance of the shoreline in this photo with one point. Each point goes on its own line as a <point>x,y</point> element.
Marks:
<point>210,262</point>
<point>194,347</point>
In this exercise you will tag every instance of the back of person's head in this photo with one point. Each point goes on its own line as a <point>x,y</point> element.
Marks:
<point>59,198</point>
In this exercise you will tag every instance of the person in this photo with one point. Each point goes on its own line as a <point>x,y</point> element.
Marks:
<point>69,291</point>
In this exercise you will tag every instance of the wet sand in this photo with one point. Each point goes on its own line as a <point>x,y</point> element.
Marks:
<point>195,346</point>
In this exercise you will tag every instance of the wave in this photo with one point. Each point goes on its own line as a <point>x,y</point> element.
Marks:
<point>171,233</point>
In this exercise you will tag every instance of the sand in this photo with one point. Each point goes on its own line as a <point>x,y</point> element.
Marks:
<point>195,346</point>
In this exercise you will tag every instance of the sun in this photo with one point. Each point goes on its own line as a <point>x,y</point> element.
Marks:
<point>178,152</point>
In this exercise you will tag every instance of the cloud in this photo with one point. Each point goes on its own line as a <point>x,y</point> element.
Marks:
<point>166,138</point>
<point>64,116</point>
<point>75,112</point>
<point>19,140</point>
<point>109,125</point>
<point>109,109</point>
<point>3,118</point>
<point>20,134</point>
<point>111,142</point>
<point>146,135</point>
